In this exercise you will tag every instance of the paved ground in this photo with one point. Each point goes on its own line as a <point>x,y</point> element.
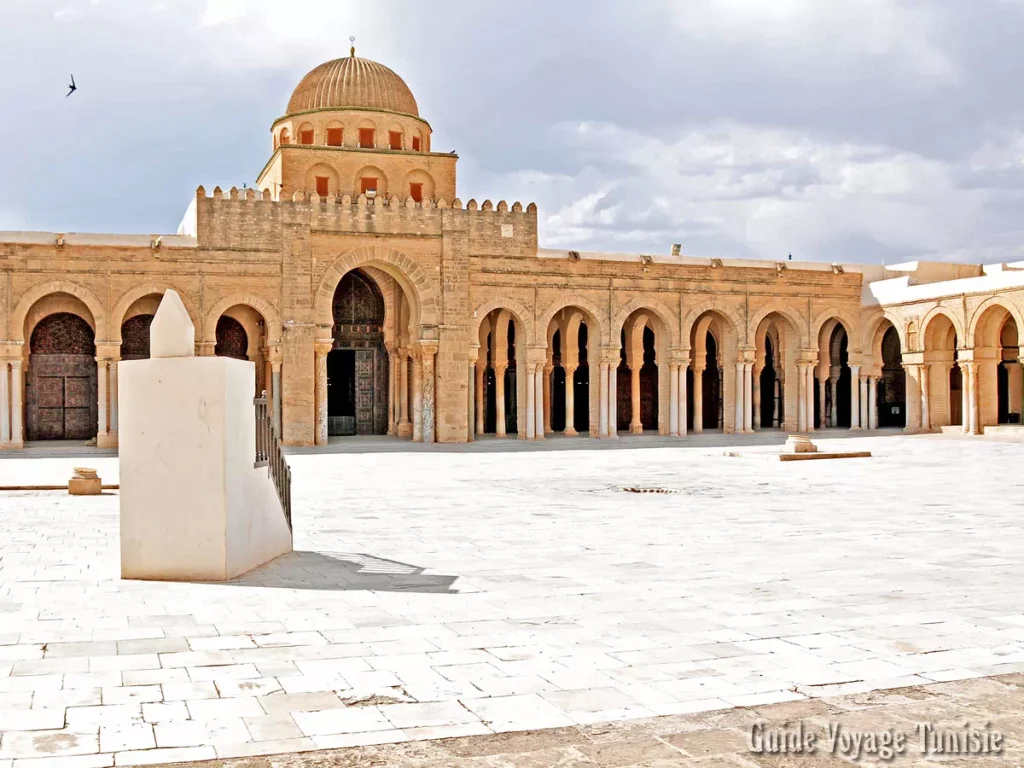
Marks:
<point>440,593</point>
<point>925,720</point>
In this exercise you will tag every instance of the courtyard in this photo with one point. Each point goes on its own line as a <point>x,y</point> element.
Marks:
<point>440,592</point>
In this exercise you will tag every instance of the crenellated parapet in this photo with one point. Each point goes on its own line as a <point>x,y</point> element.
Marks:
<point>250,219</point>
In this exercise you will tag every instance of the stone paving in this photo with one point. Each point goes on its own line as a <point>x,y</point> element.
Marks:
<point>457,593</point>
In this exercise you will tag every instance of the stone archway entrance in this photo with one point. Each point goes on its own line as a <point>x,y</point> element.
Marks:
<point>892,386</point>
<point>357,366</point>
<point>61,389</point>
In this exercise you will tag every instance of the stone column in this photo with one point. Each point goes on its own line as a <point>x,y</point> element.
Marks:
<point>972,369</point>
<point>673,404</point>
<point>5,403</point>
<point>926,423</point>
<point>392,390</point>
<point>801,407</point>
<point>546,370</point>
<point>636,427</point>
<point>471,400</point>
<point>855,386</point>
<point>275,378</point>
<point>541,416</point>
<point>822,403</point>
<point>698,399</point>
<point>603,403</point>
<point>17,403</point>
<point>776,400</point>
<point>613,398</point>
<point>834,411</point>
<point>113,398</point>
<point>499,399</point>
<point>965,397</point>
<point>740,397</point>
<point>531,405</point>
<point>321,350</point>
<point>682,399</point>
<point>809,390</point>
<point>481,371</point>
<point>417,396</point>
<point>427,353</point>
<point>570,402</point>
<point>755,418</point>
<point>872,402</point>
<point>1015,386</point>
<point>101,397</point>
<point>748,397</point>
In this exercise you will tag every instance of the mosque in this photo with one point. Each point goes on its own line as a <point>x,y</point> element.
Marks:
<point>374,301</point>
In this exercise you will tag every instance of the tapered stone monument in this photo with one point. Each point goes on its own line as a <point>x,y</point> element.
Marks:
<point>193,505</point>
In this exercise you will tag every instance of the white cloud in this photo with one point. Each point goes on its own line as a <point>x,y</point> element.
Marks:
<point>769,191</point>
<point>832,29</point>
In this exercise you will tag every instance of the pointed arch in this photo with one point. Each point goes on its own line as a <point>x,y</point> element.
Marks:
<point>987,304</point>
<point>781,308</point>
<point>132,295</point>
<point>521,314</point>
<point>42,290</point>
<point>727,312</point>
<point>952,316</point>
<point>420,289</point>
<point>596,315</point>
<point>842,317</point>
<point>666,316</point>
<point>261,305</point>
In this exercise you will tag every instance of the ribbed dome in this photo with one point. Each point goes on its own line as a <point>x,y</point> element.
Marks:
<point>353,83</point>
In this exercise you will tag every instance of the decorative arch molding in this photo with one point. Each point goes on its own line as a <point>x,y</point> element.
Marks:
<point>595,314</point>
<point>42,290</point>
<point>726,311</point>
<point>953,317</point>
<point>872,339</point>
<point>418,287</point>
<point>261,305</point>
<point>777,307</point>
<point>987,304</point>
<point>665,315</point>
<point>132,295</point>
<point>518,311</point>
<point>842,317</point>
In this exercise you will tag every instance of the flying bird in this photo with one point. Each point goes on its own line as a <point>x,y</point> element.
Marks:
<point>71,88</point>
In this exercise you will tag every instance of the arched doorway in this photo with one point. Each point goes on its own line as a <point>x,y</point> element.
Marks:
<point>637,380</point>
<point>357,366</point>
<point>61,397</point>
<point>501,382</point>
<point>945,382</point>
<point>772,410</point>
<point>892,385</point>
<point>568,353</point>
<point>232,340</point>
<point>135,337</point>
<point>1000,395</point>
<point>839,382</point>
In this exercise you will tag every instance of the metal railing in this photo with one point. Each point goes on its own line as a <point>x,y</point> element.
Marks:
<point>269,454</point>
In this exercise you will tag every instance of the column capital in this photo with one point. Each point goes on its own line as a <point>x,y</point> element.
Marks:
<point>206,348</point>
<point>321,347</point>
<point>428,346</point>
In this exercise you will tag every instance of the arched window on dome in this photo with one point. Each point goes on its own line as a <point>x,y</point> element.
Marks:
<point>306,134</point>
<point>395,140</point>
<point>416,144</point>
<point>367,138</point>
<point>285,137</point>
<point>335,136</point>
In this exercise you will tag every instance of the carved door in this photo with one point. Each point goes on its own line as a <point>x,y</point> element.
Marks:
<point>61,398</point>
<point>364,391</point>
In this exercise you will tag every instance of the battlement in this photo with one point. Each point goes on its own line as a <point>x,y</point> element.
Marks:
<point>243,218</point>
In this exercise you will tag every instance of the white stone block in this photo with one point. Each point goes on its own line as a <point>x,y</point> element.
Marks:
<point>171,333</point>
<point>193,506</point>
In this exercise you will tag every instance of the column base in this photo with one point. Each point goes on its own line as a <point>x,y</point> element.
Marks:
<point>855,429</point>
<point>636,429</point>
<point>11,446</point>
<point>107,441</point>
<point>570,432</point>
<point>405,429</point>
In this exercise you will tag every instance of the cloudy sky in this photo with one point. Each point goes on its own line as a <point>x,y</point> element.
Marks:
<point>860,130</point>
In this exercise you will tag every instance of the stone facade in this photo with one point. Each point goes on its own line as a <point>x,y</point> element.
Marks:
<point>483,331</point>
